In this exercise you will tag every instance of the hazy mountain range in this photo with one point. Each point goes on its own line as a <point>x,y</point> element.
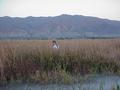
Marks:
<point>63,26</point>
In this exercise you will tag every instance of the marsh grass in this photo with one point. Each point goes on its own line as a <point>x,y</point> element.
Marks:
<point>35,61</point>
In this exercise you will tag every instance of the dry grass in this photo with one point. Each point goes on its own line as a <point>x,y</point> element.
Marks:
<point>36,61</point>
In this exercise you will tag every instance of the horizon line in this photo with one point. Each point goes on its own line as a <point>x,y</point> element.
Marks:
<point>60,15</point>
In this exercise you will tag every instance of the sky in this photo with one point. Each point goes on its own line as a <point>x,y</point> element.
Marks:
<point>108,9</point>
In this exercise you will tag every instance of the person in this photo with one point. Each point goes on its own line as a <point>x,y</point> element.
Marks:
<point>55,45</point>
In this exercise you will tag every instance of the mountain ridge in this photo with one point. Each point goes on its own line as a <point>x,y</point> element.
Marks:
<point>63,26</point>
<point>59,16</point>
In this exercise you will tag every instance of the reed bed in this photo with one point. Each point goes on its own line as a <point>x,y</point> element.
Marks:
<point>36,60</point>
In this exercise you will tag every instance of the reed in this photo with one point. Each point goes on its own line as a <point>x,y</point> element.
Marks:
<point>35,60</point>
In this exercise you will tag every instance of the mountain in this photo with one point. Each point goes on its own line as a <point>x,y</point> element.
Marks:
<point>63,26</point>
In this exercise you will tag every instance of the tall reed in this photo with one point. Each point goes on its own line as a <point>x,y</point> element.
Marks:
<point>36,61</point>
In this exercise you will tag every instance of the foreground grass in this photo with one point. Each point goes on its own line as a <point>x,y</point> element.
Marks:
<point>36,61</point>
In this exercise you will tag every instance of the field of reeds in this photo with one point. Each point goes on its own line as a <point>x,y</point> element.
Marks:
<point>36,60</point>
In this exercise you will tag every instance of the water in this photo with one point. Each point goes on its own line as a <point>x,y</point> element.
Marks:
<point>99,82</point>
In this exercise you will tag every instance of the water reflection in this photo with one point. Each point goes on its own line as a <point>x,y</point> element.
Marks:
<point>98,82</point>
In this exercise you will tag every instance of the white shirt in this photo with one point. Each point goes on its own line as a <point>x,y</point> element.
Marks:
<point>56,46</point>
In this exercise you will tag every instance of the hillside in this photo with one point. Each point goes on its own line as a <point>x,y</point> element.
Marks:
<point>63,26</point>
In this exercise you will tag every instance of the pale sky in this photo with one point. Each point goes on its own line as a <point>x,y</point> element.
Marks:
<point>109,9</point>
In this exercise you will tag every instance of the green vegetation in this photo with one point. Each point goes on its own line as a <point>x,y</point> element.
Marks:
<point>35,61</point>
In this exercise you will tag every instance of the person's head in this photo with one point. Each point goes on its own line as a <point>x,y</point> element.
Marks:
<point>54,42</point>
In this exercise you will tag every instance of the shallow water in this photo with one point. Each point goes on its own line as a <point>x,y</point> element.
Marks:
<point>98,82</point>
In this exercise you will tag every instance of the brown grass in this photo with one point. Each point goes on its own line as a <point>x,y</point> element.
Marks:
<point>36,61</point>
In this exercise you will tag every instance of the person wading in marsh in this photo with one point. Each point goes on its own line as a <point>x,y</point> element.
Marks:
<point>55,50</point>
<point>55,45</point>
